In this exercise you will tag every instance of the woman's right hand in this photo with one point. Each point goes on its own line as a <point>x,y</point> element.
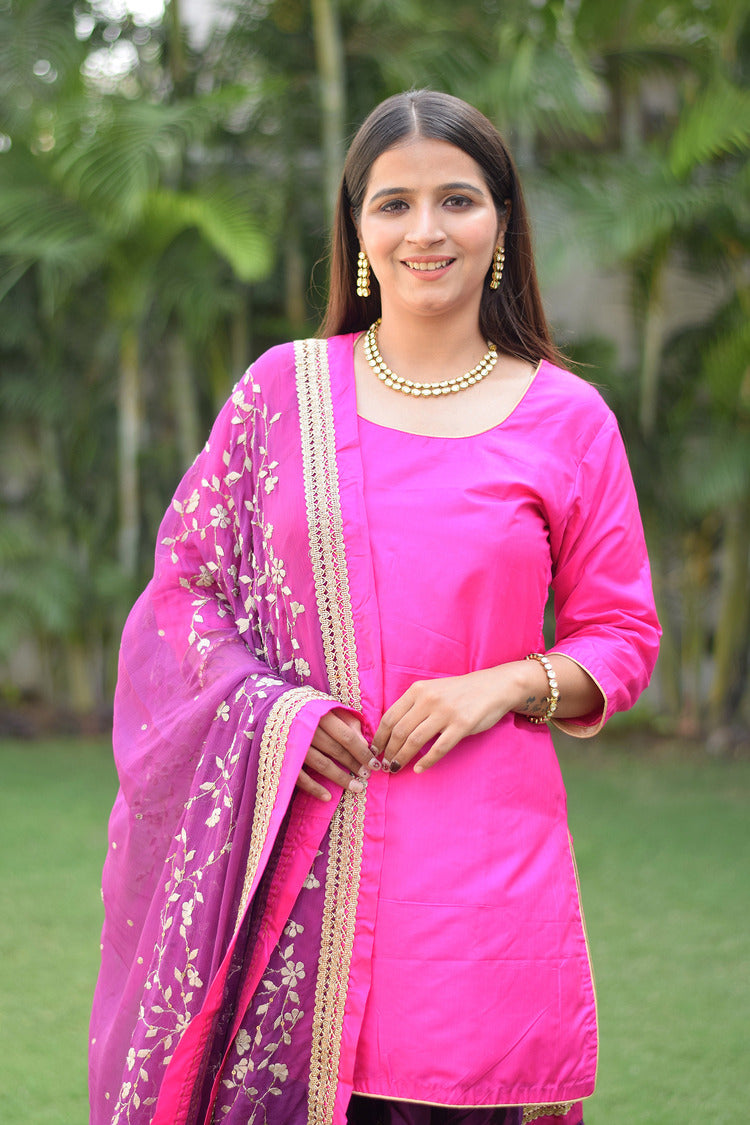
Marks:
<point>338,750</point>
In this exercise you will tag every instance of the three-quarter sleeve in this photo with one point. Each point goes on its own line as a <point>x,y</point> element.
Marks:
<point>604,607</point>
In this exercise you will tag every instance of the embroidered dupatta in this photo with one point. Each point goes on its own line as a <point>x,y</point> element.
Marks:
<point>242,641</point>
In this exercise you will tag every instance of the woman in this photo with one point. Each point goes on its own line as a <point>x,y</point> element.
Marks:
<point>340,885</point>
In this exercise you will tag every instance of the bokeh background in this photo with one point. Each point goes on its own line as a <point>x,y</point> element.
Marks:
<point>167,171</point>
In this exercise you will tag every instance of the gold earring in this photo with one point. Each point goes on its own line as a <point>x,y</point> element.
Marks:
<point>498,261</point>
<point>363,275</point>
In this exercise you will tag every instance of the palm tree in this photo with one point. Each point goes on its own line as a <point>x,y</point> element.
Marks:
<point>94,212</point>
<point>677,206</point>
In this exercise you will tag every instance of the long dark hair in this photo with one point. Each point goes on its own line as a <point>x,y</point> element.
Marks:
<point>511,316</point>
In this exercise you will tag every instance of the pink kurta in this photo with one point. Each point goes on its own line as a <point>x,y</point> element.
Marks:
<point>480,980</point>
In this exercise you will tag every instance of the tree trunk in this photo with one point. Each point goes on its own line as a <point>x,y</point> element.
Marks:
<point>129,411</point>
<point>329,57</point>
<point>653,342</point>
<point>294,279</point>
<point>669,668</point>
<point>177,67</point>
<point>731,640</point>
<point>696,628</point>
<point>184,401</point>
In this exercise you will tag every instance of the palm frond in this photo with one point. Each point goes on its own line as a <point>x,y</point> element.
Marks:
<point>37,589</point>
<point>632,204</point>
<point>195,287</point>
<point>715,471</point>
<point>39,227</point>
<point>11,273</point>
<point>34,32</point>
<point>716,124</point>
<point>222,217</point>
<point>113,159</point>
<point>726,362</point>
<point>40,224</point>
<point>548,89</point>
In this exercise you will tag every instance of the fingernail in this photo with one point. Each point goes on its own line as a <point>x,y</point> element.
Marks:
<point>374,764</point>
<point>356,786</point>
<point>394,767</point>
<point>363,772</point>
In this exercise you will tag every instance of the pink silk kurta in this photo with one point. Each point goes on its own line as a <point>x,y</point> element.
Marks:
<point>436,950</point>
<point>476,898</point>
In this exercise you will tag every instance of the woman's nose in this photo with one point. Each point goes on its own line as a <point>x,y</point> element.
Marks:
<point>426,228</point>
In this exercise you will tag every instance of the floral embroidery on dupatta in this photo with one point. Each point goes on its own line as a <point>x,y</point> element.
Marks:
<point>221,542</point>
<point>256,594</point>
<point>260,1064</point>
<point>238,587</point>
<point>180,963</point>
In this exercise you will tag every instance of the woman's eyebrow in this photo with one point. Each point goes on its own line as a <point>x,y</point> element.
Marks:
<point>458,186</point>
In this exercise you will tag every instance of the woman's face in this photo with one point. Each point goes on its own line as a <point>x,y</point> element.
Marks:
<point>429,227</point>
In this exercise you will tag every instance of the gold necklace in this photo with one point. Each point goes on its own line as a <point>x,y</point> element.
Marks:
<point>408,386</point>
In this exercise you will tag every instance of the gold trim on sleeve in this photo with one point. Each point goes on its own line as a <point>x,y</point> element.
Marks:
<point>568,726</point>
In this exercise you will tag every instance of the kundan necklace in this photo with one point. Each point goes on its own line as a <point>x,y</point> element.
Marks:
<point>408,386</point>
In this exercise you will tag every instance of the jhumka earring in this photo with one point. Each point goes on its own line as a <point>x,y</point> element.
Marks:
<point>498,261</point>
<point>363,275</point>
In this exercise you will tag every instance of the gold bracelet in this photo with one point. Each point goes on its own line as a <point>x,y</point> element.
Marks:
<point>554,691</point>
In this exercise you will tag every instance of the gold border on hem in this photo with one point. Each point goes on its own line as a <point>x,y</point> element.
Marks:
<point>532,1112</point>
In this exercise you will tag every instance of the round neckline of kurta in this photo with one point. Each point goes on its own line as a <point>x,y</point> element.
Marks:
<point>446,437</point>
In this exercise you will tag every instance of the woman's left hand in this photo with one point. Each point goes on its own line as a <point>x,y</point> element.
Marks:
<point>457,706</point>
<point>447,710</point>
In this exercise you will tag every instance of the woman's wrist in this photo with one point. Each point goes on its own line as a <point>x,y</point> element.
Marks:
<point>578,693</point>
<point>553,690</point>
<point>532,692</point>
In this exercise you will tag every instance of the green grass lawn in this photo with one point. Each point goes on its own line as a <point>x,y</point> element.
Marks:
<point>663,845</point>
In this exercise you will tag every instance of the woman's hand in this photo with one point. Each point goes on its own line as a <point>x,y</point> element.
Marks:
<point>455,707</point>
<point>447,710</point>
<point>338,750</point>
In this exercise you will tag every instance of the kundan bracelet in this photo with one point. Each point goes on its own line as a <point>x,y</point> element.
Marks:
<point>554,691</point>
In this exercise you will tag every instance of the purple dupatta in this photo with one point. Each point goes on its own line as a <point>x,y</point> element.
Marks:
<point>242,641</point>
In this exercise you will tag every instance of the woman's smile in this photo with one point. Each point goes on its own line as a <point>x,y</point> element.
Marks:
<point>429,266</point>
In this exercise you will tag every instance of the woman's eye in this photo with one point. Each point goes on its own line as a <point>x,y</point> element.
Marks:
<point>393,205</point>
<point>458,201</point>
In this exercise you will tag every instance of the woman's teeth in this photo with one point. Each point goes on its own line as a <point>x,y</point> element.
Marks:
<point>429,266</point>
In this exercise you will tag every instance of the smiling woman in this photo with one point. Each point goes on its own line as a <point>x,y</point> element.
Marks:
<point>340,885</point>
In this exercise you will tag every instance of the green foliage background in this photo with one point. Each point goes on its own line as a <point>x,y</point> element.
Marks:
<point>163,214</point>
